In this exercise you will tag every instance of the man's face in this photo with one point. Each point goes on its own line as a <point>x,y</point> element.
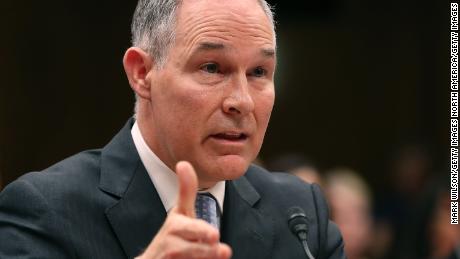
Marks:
<point>212,100</point>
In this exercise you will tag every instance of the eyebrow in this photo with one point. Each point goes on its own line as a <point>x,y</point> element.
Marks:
<point>269,53</point>
<point>206,46</point>
<point>210,46</point>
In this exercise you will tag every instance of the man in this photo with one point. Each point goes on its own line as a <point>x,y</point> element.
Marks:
<point>203,74</point>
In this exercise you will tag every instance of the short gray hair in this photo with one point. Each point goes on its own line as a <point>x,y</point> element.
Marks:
<point>153,26</point>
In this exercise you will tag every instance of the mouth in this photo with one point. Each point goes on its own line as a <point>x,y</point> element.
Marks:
<point>229,143</point>
<point>230,136</point>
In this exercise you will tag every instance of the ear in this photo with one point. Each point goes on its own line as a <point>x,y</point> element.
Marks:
<point>137,64</point>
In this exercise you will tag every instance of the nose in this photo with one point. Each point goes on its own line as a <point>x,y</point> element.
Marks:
<point>238,99</point>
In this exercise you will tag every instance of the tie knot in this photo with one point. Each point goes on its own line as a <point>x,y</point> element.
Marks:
<point>206,208</point>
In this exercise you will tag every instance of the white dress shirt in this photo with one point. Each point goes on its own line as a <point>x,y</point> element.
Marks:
<point>163,178</point>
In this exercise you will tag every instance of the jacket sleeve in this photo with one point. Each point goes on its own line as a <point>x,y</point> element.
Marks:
<point>331,245</point>
<point>28,225</point>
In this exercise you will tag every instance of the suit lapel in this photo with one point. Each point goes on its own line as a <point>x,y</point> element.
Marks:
<point>138,216</point>
<point>139,212</point>
<point>247,229</point>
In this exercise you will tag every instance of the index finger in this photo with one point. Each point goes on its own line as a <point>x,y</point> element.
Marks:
<point>188,186</point>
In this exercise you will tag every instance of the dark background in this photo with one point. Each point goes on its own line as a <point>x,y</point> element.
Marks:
<point>356,79</point>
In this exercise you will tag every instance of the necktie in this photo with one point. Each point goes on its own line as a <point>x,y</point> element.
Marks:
<point>206,208</point>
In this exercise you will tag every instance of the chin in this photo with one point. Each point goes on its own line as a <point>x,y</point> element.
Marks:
<point>228,167</point>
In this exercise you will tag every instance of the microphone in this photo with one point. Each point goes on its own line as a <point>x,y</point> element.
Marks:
<point>298,224</point>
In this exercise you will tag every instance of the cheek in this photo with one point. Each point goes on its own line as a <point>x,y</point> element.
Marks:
<point>263,109</point>
<point>186,108</point>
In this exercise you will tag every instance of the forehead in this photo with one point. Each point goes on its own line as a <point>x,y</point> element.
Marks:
<point>226,21</point>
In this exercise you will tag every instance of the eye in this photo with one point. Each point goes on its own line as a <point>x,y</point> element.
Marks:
<point>211,68</point>
<point>259,72</point>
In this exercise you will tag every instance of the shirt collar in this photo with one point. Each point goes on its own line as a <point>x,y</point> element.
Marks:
<point>163,178</point>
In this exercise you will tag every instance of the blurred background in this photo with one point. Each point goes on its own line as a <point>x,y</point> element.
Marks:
<point>362,106</point>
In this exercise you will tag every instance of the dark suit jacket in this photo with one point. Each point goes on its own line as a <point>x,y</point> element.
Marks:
<point>102,204</point>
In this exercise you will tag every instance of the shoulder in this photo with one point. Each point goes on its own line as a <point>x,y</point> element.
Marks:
<point>281,185</point>
<point>285,190</point>
<point>36,209</point>
<point>73,169</point>
<point>75,174</point>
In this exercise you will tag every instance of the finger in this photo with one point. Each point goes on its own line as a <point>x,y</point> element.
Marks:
<point>188,186</point>
<point>192,250</point>
<point>193,229</point>
<point>224,251</point>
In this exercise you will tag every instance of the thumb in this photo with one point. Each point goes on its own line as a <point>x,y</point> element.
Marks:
<point>188,186</point>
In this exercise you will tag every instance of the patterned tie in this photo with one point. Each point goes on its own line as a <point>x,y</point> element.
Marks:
<point>206,208</point>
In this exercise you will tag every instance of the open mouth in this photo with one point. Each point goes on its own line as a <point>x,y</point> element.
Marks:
<point>229,136</point>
